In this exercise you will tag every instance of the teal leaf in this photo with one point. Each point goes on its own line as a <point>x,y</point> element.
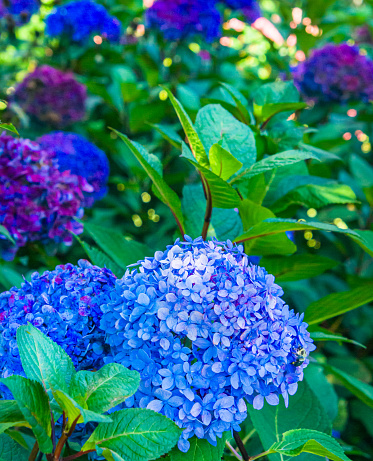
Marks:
<point>10,450</point>
<point>276,92</point>
<point>122,251</point>
<point>136,435</point>
<point>105,388</point>
<point>34,405</point>
<point>222,162</point>
<point>299,441</point>
<point>5,232</point>
<point>195,142</point>
<point>169,134</point>
<point>164,192</point>
<point>43,360</point>
<point>297,267</point>
<point>338,303</point>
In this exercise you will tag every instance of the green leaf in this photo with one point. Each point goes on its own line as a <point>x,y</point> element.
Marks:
<point>100,259</point>
<point>223,195</point>
<point>299,441</point>
<point>276,226</point>
<point>252,214</point>
<point>200,450</point>
<point>73,409</point>
<point>361,390</point>
<point>304,412</point>
<point>10,412</point>
<point>5,426</point>
<point>108,454</point>
<point>34,405</point>
<point>361,170</point>
<point>43,360</point>
<point>5,232</point>
<point>338,303</point>
<point>322,334</point>
<point>105,388</point>
<point>297,267</point>
<point>116,246</point>
<point>169,134</point>
<point>10,450</point>
<point>10,277</point>
<point>286,158</point>
<point>191,133</point>
<point>215,124</point>
<point>9,127</point>
<point>222,162</point>
<point>240,102</point>
<point>316,196</point>
<point>136,434</point>
<point>264,113</point>
<point>276,92</point>
<point>165,193</point>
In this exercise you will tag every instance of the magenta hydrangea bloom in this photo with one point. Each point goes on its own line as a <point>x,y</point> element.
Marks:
<point>37,201</point>
<point>51,96</point>
<point>65,305</point>
<point>336,73</point>
<point>207,330</point>
<point>20,11</point>
<point>182,19</point>
<point>79,156</point>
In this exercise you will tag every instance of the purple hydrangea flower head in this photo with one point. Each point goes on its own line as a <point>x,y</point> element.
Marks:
<point>65,305</point>
<point>79,156</point>
<point>336,73</point>
<point>80,19</point>
<point>20,11</point>
<point>51,96</point>
<point>37,201</point>
<point>181,19</point>
<point>250,8</point>
<point>206,329</point>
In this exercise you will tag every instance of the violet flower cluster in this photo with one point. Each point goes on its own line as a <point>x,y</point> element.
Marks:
<point>37,201</point>
<point>79,20</point>
<point>206,330</point>
<point>250,8</point>
<point>336,73</point>
<point>51,96</point>
<point>79,156</point>
<point>65,305</point>
<point>19,11</point>
<point>182,19</point>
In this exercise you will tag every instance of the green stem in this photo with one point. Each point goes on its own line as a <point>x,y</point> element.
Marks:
<point>265,453</point>
<point>208,213</point>
<point>233,451</point>
<point>248,437</point>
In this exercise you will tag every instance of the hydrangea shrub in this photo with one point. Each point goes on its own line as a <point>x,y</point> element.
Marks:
<point>51,96</point>
<point>65,304</point>
<point>20,11</point>
<point>79,156</point>
<point>336,73</point>
<point>38,202</point>
<point>80,19</point>
<point>207,330</point>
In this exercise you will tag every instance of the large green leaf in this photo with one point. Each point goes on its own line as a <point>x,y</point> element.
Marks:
<point>276,226</point>
<point>43,360</point>
<point>222,162</point>
<point>286,158</point>
<point>136,435</point>
<point>267,111</point>
<point>304,412</point>
<point>9,411</point>
<point>240,102</point>
<point>11,450</point>
<point>105,388</point>
<point>200,450</point>
<point>195,142</point>
<point>34,405</point>
<point>252,214</point>
<point>100,259</point>
<point>322,334</point>
<point>169,134</point>
<point>214,124</point>
<point>164,192</point>
<point>297,267</point>
<point>338,303</point>
<point>122,251</point>
<point>276,92</point>
<point>298,441</point>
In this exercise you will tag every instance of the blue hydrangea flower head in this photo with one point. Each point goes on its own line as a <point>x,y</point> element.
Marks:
<point>336,73</point>
<point>65,305</point>
<point>19,10</point>
<point>183,19</point>
<point>206,329</point>
<point>79,156</point>
<point>80,19</point>
<point>250,8</point>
